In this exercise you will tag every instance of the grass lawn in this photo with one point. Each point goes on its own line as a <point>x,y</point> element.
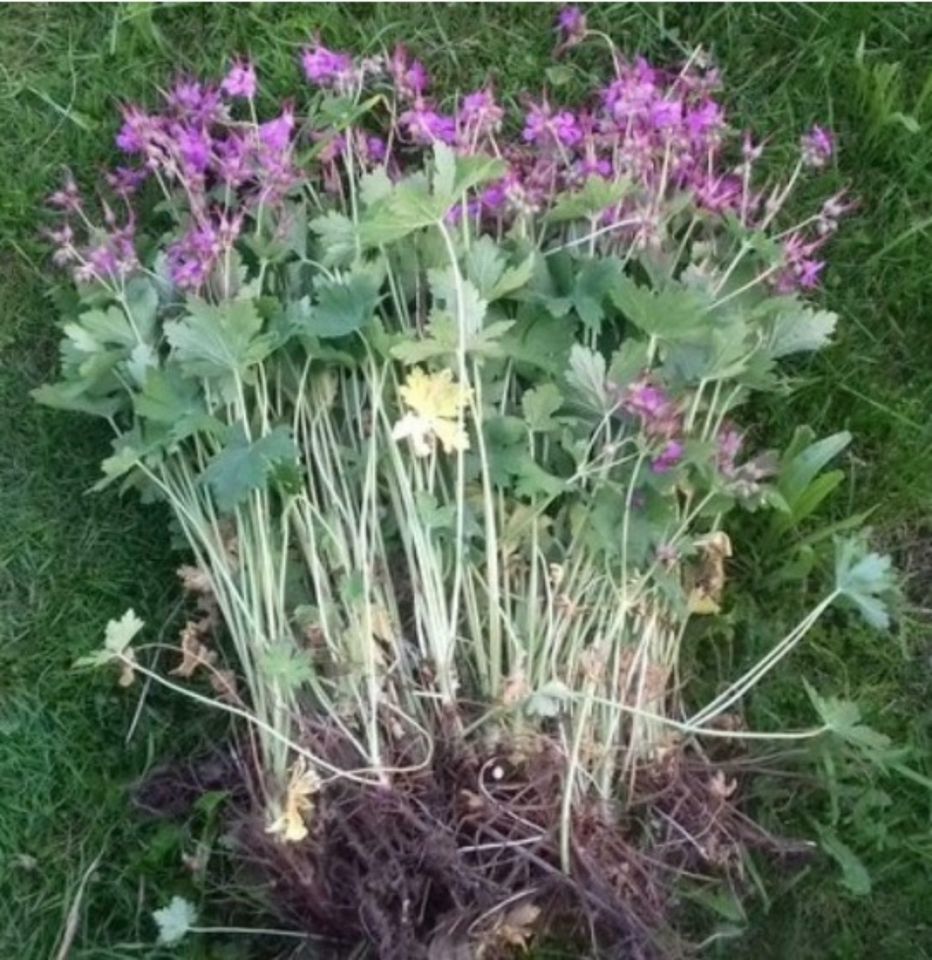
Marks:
<point>69,561</point>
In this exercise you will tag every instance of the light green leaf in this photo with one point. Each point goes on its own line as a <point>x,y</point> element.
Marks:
<point>547,700</point>
<point>284,664</point>
<point>242,467</point>
<point>460,298</point>
<point>337,236</point>
<point>455,174</point>
<point>119,633</point>
<point>175,920</point>
<point>142,300</point>
<point>539,406</point>
<point>167,396</point>
<point>409,207</point>
<point>596,195</point>
<point>142,358</point>
<point>674,313</point>
<point>587,376</point>
<point>374,186</point>
<point>342,306</point>
<point>864,578</point>
<point>514,278</point>
<point>117,465</point>
<point>485,264</point>
<point>213,340</point>
<point>73,395</point>
<point>800,330</point>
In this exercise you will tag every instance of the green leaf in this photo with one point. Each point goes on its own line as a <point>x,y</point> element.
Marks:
<point>214,340</point>
<point>511,463</point>
<point>118,464</point>
<point>118,634</point>
<point>798,472</point>
<point>460,298</point>
<point>485,264</point>
<point>843,717</point>
<point>409,207</point>
<point>864,578</point>
<point>539,406</point>
<point>175,920</point>
<point>342,306</point>
<point>374,186</point>
<point>800,330</point>
<point>98,328</point>
<point>595,281</point>
<point>73,395</point>
<point>514,278</point>
<point>457,173</point>
<point>628,362</point>
<point>587,376</point>
<point>167,396</point>
<point>854,875</point>
<point>284,664</point>
<point>142,300</point>
<point>242,467</point>
<point>674,313</point>
<point>337,236</point>
<point>596,195</point>
<point>541,340</point>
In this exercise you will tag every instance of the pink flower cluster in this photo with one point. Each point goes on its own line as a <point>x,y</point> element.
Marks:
<point>661,133</point>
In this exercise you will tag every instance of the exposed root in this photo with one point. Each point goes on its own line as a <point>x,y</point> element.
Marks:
<point>461,861</point>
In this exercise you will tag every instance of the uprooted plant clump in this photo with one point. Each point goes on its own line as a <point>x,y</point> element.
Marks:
<point>447,414</point>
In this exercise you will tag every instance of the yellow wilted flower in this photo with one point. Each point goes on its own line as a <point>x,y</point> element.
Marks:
<point>291,825</point>
<point>436,403</point>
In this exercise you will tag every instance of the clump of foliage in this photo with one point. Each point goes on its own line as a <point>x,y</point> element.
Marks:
<point>447,412</point>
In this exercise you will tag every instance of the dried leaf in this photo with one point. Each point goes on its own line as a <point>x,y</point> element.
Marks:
<point>290,826</point>
<point>194,653</point>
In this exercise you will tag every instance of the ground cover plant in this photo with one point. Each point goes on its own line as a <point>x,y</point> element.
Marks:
<point>419,431</point>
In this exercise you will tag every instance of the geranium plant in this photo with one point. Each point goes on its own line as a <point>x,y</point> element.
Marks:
<point>447,407</point>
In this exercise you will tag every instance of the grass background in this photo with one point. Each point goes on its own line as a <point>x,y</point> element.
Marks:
<point>69,561</point>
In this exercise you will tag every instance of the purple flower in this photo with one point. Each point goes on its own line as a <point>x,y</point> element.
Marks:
<point>494,197</point>
<point>704,121</point>
<point>480,113</point>
<point>535,124</point>
<point>327,68</point>
<point>138,128</point>
<point>376,148</point>
<point>540,126</point>
<point>410,77</point>
<point>728,445</point>
<point>68,197</point>
<point>276,134</point>
<point>124,181</point>
<point>240,81</point>
<point>190,100</point>
<point>669,457</point>
<point>571,25</point>
<point>566,128</point>
<point>817,147</point>
<point>233,155</point>
<point>192,258</point>
<point>425,126</point>
<point>193,147</point>
<point>666,113</point>
<point>647,401</point>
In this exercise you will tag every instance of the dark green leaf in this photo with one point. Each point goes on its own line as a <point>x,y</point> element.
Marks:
<point>242,467</point>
